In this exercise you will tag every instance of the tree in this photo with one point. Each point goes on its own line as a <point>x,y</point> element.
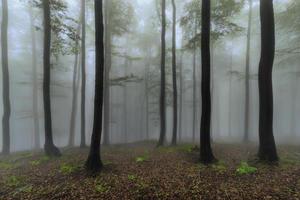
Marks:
<point>247,75</point>
<point>267,147</point>
<point>175,113</point>
<point>94,163</point>
<point>206,154</point>
<point>5,81</point>
<point>34,85</point>
<point>163,77</point>
<point>50,148</point>
<point>83,75</point>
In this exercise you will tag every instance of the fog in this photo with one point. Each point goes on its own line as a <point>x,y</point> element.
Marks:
<point>135,76</point>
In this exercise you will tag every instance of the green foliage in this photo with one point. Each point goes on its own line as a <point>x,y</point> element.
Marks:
<point>222,13</point>
<point>68,168</point>
<point>13,181</point>
<point>142,158</point>
<point>6,165</point>
<point>244,168</point>
<point>132,177</point>
<point>39,161</point>
<point>102,188</point>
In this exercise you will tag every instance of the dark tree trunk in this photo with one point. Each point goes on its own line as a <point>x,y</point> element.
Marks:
<point>94,163</point>
<point>267,147</point>
<point>175,113</point>
<point>5,81</point>
<point>108,43</point>
<point>75,86</point>
<point>35,109</point>
<point>194,82</point>
<point>83,76</point>
<point>247,76</point>
<point>50,148</point>
<point>163,77</point>
<point>206,154</point>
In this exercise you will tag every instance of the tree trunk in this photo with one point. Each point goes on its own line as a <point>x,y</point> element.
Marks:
<point>267,147</point>
<point>5,81</point>
<point>35,109</point>
<point>175,112</point>
<point>83,76</point>
<point>180,97</point>
<point>50,148</point>
<point>194,82</point>
<point>94,163</point>
<point>75,91</point>
<point>206,154</point>
<point>247,76</point>
<point>163,78</point>
<point>108,43</point>
<point>147,97</point>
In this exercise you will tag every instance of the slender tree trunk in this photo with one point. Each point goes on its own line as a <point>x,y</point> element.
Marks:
<point>75,92</point>
<point>175,110</point>
<point>229,96</point>
<point>206,154</point>
<point>83,76</point>
<point>94,163</point>
<point>35,109</point>
<point>162,136</point>
<point>5,81</point>
<point>194,82</point>
<point>247,76</point>
<point>267,147</point>
<point>180,97</point>
<point>108,43</point>
<point>147,98</point>
<point>50,148</point>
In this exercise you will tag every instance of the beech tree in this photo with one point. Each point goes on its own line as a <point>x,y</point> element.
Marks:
<point>267,147</point>
<point>5,81</point>
<point>94,163</point>
<point>206,154</point>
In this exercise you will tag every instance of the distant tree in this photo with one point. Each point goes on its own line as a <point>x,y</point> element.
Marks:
<point>5,81</point>
<point>75,86</point>
<point>163,77</point>
<point>247,75</point>
<point>174,76</point>
<point>83,74</point>
<point>206,154</point>
<point>50,148</point>
<point>35,111</point>
<point>94,163</point>
<point>267,147</point>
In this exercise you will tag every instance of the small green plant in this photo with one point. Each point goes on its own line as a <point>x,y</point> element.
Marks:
<point>35,162</point>
<point>132,177</point>
<point>68,168</point>
<point>244,168</point>
<point>13,181</point>
<point>102,188</point>
<point>142,158</point>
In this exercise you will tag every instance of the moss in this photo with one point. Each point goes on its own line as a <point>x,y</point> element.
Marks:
<point>102,188</point>
<point>13,181</point>
<point>244,168</point>
<point>68,168</point>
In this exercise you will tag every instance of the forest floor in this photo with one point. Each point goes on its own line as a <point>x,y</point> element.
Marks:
<point>141,171</point>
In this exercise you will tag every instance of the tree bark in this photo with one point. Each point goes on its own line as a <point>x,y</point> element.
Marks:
<point>83,75</point>
<point>50,148</point>
<point>194,82</point>
<point>247,75</point>
<point>175,112</point>
<point>180,97</point>
<point>163,78</point>
<point>108,43</point>
<point>35,109</point>
<point>94,163</point>
<point>206,154</point>
<point>5,81</point>
<point>267,147</point>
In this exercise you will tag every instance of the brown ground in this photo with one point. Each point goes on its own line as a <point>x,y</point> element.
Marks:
<point>142,171</point>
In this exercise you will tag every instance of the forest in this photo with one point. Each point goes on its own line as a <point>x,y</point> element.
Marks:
<point>150,99</point>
